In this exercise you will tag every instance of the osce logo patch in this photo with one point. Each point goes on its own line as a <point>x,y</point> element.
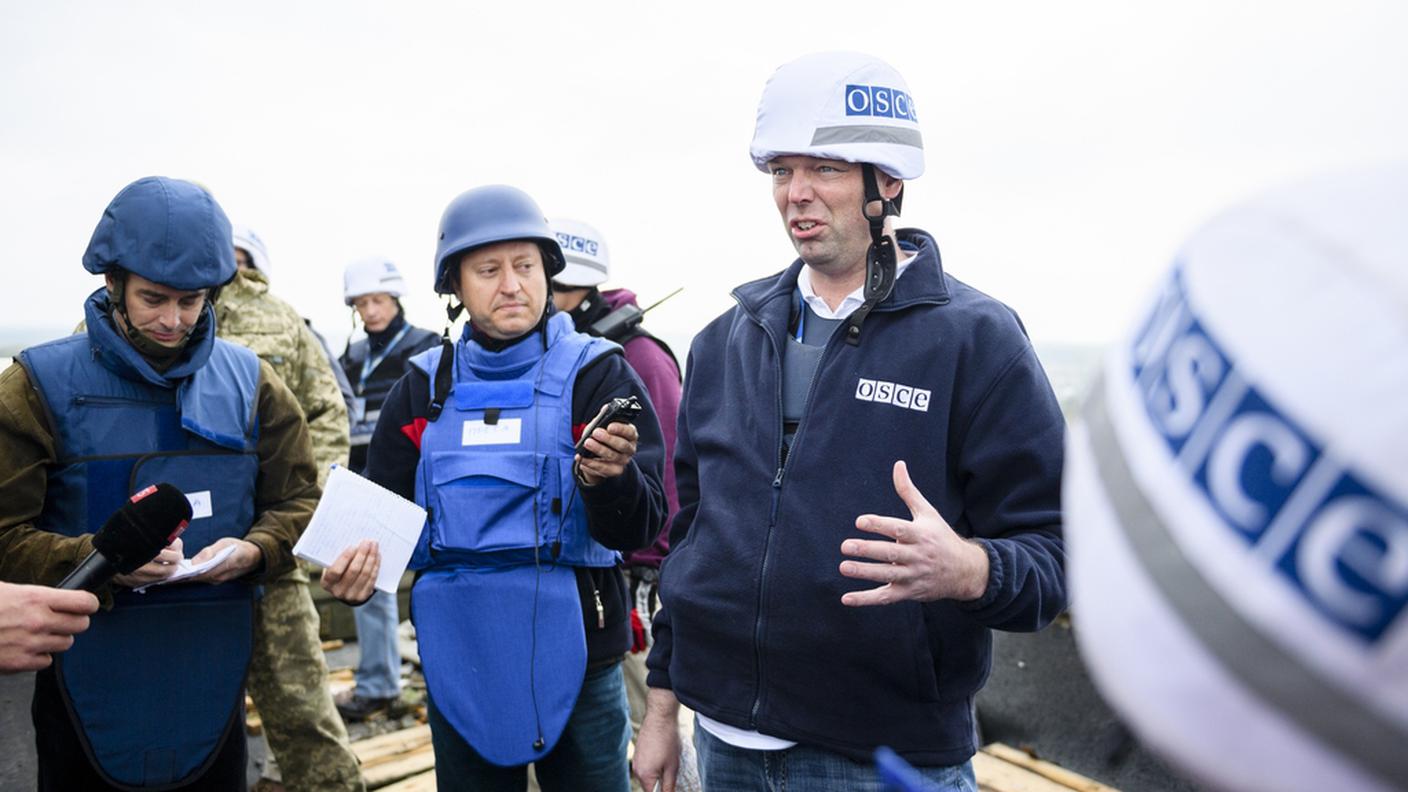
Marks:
<point>578,244</point>
<point>877,100</point>
<point>1303,513</point>
<point>905,396</point>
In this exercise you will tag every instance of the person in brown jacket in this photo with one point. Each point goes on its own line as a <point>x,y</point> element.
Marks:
<point>151,695</point>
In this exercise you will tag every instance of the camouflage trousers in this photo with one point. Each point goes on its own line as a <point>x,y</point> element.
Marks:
<point>288,680</point>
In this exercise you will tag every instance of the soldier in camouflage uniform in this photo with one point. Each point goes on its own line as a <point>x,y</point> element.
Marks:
<point>288,674</point>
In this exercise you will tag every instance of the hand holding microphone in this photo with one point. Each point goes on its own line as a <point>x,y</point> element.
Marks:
<point>37,622</point>
<point>138,544</point>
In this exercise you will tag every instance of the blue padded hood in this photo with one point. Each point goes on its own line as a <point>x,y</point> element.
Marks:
<point>167,231</point>
<point>121,358</point>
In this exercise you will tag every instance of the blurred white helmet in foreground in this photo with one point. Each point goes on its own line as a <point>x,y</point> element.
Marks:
<point>1237,497</point>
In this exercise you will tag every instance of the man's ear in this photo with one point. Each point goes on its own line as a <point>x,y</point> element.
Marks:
<point>889,185</point>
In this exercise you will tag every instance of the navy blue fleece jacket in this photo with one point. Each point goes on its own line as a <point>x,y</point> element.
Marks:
<point>752,631</point>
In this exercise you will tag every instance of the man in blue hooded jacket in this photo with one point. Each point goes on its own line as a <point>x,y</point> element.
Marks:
<point>859,384</point>
<point>152,694</point>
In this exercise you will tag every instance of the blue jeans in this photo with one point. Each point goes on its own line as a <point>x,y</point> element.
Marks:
<point>590,756</point>
<point>803,768</point>
<point>379,669</point>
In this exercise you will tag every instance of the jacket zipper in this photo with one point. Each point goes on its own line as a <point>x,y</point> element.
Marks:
<point>778,479</point>
<point>117,401</point>
<point>600,609</point>
<point>782,457</point>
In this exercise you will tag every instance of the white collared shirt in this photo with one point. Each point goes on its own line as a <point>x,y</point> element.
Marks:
<point>850,302</point>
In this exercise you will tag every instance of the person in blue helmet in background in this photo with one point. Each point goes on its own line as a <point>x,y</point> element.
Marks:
<point>151,696</point>
<point>889,495</point>
<point>520,604</point>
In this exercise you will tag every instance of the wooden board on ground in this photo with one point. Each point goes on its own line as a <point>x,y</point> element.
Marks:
<point>386,747</point>
<point>414,762</point>
<point>425,782</point>
<point>1002,768</point>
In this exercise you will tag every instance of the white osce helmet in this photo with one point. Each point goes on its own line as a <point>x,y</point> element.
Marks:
<point>371,276</point>
<point>248,241</point>
<point>1236,497</point>
<point>842,106</point>
<point>588,260</point>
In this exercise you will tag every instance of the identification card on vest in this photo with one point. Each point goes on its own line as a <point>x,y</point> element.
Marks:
<point>508,431</point>
<point>200,504</point>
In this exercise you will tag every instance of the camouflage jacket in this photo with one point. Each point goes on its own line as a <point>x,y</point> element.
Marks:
<point>247,314</point>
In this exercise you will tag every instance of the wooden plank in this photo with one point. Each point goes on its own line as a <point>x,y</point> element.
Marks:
<point>385,747</point>
<point>1054,772</point>
<point>995,775</point>
<point>415,762</point>
<point>425,782</point>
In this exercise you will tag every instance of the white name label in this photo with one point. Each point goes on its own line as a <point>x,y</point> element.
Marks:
<point>508,431</point>
<point>200,504</point>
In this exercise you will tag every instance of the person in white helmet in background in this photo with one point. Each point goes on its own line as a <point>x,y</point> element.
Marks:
<point>251,253</point>
<point>865,419</point>
<point>288,674</point>
<point>1237,496</point>
<point>575,292</point>
<point>373,288</point>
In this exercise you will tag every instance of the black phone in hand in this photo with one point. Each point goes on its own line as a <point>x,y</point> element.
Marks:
<point>621,410</point>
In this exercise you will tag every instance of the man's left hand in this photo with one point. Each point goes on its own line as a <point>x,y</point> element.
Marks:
<point>926,561</point>
<point>614,446</point>
<point>246,558</point>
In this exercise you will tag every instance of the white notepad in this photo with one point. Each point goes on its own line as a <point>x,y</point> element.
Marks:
<point>353,509</point>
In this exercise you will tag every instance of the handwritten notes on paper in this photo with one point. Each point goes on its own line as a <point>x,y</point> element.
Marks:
<point>353,509</point>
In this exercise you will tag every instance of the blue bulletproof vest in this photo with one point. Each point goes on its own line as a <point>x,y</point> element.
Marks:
<point>498,614</point>
<point>156,684</point>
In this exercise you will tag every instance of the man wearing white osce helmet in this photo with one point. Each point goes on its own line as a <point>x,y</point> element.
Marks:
<point>1237,494</point>
<point>373,288</point>
<point>861,384</point>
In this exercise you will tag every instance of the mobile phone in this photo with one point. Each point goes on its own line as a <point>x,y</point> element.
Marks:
<point>620,410</point>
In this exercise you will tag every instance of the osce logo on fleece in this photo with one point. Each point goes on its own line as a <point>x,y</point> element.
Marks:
<point>877,100</point>
<point>578,244</point>
<point>905,396</point>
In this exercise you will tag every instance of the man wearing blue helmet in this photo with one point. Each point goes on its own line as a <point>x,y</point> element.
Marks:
<point>878,387</point>
<point>520,606</point>
<point>151,696</point>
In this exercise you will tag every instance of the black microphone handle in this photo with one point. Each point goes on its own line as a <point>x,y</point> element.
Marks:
<point>90,574</point>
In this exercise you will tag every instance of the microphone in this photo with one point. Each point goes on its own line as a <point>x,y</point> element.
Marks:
<point>132,536</point>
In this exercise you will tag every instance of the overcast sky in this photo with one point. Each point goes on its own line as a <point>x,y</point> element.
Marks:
<point>1070,146</point>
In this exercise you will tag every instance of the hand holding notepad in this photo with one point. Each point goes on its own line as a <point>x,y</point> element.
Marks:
<point>353,509</point>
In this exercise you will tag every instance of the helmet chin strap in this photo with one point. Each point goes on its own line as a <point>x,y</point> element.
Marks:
<point>881,259</point>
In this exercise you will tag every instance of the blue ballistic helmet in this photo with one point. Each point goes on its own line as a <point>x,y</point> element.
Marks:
<point>167,231</point>
<point>485,215</point>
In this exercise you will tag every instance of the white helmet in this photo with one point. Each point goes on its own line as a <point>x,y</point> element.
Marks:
<point>841,106</point>
<point>248,241</point>
<point>1236,497</point>
<point>371,276</point>
<point>588,260</point>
